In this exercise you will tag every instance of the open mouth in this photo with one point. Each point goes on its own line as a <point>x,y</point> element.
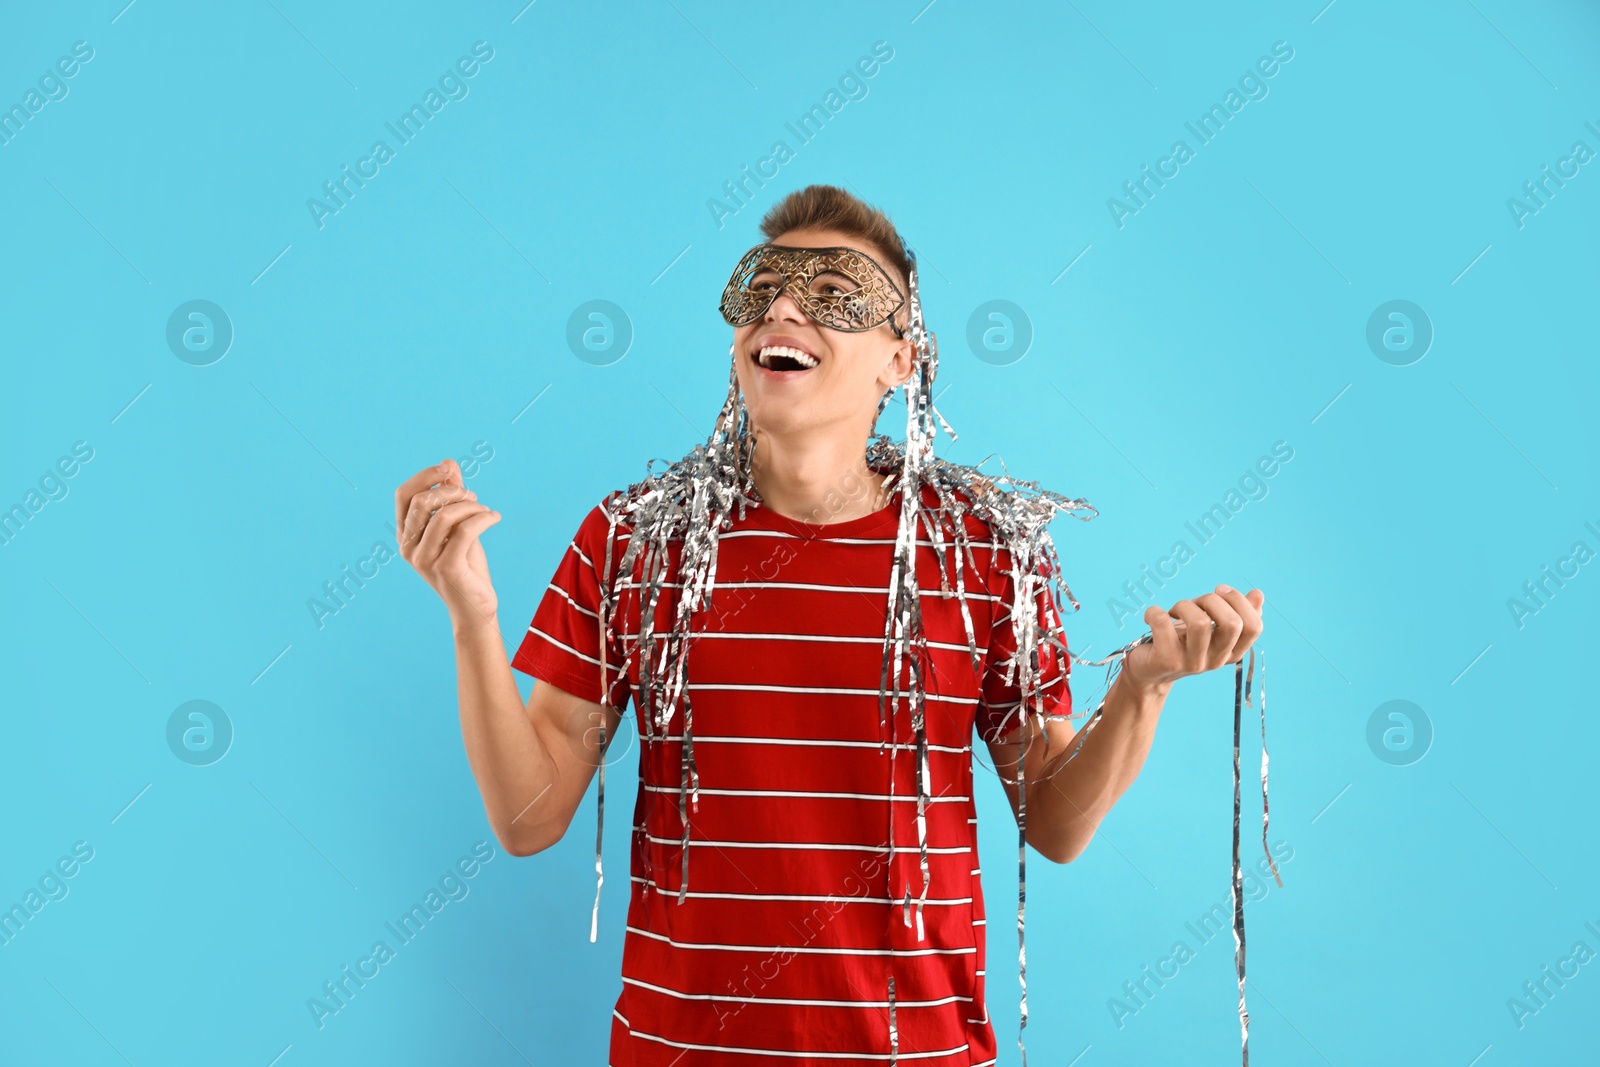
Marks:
<point>783,358</point>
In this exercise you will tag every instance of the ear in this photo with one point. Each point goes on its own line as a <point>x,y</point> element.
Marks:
<point>902,361</point>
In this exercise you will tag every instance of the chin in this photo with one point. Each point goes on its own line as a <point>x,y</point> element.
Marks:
<point>782,415</point>
<point>778,419</point>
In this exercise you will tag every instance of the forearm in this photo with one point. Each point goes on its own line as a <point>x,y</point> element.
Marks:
<point>510,761</point>
<point>1071,797</point>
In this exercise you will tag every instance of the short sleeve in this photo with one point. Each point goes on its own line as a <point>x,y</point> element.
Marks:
<point>563,642</point>
<point>1001,701</point>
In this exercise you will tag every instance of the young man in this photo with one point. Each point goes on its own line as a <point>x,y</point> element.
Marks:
<point>804,876</point>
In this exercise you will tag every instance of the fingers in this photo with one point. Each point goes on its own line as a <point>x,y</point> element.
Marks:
<point>442,530</point>
<point>423,506</point>
<point>1205,633</point>
<point>412,487</point>
<point>1165,632</point>
<point>1248,609</point>
<point>1197,634</point>
<point>1225,634</point>
<point>453,560</point>
<point>465,533</point>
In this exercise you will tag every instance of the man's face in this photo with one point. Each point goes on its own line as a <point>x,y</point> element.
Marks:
<point>852,372</point>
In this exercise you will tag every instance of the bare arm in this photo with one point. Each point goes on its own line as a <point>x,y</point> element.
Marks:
<point>533,763</point>
<point>1066,801</point>
<point>1065,808</point>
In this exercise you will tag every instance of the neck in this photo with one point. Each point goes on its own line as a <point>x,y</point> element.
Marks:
<point>819,480</point>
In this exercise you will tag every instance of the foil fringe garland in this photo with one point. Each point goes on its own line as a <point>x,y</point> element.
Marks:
<point>894,1031</point>
<point>1242,676</point>
<point>1235,885</point>
<point>694,499</point>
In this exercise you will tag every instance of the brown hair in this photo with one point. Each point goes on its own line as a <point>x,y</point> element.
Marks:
<point>828,207</point>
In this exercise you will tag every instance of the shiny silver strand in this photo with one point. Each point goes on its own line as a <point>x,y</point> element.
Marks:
<point>1264,847</point>
<point>1236,885</point>
<point>894,1030</point>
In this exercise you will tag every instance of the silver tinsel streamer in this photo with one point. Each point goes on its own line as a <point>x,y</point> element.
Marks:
<point>894,1031</point>
<point>1264,847</point>
<point>1236,885</point>
<point>693,500</point>
<point>1242,677</point>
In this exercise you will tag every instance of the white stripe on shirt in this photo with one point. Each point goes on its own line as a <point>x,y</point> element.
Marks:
<point>806,950</point>
<point>963,1047</point>
<point>804,845</point>
<point>931,901</point>
<point>815,587</point>
<point>808,794</point>
<point>952,999</point>
<point>702,739</point>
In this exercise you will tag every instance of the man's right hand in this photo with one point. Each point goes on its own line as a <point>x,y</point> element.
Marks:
<point>438,521</point>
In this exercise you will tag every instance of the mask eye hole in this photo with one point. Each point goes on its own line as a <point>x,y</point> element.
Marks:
<point>831,283</point>
<point>763,280</point>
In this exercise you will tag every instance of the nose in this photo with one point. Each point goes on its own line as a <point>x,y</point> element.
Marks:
<point>784,307</point>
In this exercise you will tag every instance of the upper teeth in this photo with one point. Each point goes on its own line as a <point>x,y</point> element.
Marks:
<point>805,359</point>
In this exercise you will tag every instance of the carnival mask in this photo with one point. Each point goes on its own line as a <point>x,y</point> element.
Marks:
<point>840,288</point>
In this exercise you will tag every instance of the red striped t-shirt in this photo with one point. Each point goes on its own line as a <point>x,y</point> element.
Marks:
<point>794,918</point>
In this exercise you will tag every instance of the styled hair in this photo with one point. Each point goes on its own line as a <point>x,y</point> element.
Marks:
<point>828,207</point>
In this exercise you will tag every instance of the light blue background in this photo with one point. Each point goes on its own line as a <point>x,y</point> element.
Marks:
<point>1226,315</point>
